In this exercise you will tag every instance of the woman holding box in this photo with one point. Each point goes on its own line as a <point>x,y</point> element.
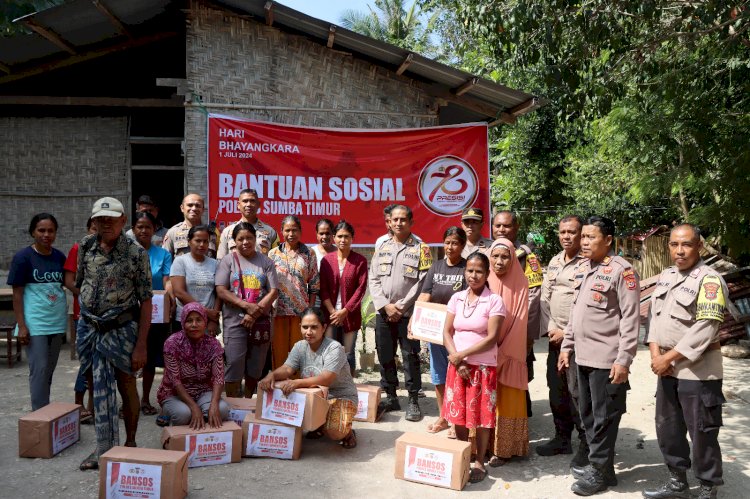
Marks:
<point>444,279</point>
<point>343,284</point>
<point>320,361</point>
<point>512,426</point>
<point>161,263</point>
<point>190,391</point>
<point>470,336</point>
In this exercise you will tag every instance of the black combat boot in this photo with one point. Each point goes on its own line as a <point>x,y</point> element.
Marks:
<point>708,491</point>
<point>607,471</point>
<point>675,487</point>
<point>592,481</point>
<point>558,445</point>
<point>389,404</point>
<point>413,412</point>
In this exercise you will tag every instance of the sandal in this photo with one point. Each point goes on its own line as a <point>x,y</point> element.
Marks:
<point>90,463</point>
<point>162,420</point>
<point>87,417</point>
<point>496,461</point>
<point>438,426</point>
<point>315,434</point>
<point>476,475</point>
<point>148,409</point>
<point>452,432</point>
<point>350,441</point>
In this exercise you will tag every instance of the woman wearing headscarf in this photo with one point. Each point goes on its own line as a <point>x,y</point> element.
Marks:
<point>190,392</point>
<point>509,282</point>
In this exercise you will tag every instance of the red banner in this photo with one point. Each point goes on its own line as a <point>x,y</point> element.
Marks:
<point>348,174</point>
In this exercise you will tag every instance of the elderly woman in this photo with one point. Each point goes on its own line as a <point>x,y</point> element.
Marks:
<point>320,361</point>
<point>509,282</point>
<point>299,284</point>
<point>190,392</point>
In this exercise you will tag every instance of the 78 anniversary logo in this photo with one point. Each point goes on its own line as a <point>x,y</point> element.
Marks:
<point>447,185</point>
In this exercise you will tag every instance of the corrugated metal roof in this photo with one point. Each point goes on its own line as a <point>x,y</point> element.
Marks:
<point>82,25</point>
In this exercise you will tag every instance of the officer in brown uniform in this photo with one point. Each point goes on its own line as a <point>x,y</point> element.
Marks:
<point>687,308</point>
<point>603,329</point>
<point>472,220</point>
<point>395,279</point>
<point>176,239</point>
<point>505,224</point>
<point>556,301</point>
<point>247,204</point>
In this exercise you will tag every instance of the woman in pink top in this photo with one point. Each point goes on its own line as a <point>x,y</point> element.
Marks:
<point>512,426</point>
<point>470,336</point>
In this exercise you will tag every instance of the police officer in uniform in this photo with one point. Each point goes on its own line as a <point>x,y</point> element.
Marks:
<point>398,268</point>
<point>687,308</point>
<point>505,224</point>
<point>176,240</point>
<point>247,204</point>
<point>603,329</point>
<point>472,220</point>
<point>556,301</point>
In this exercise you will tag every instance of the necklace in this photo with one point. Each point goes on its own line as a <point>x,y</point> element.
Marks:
<point>469,306</point>
<point>43,253</point>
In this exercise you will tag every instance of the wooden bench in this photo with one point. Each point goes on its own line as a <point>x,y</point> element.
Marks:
<point>7,330</point>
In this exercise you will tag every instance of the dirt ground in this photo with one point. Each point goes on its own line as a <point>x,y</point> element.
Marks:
<point>327,470</point>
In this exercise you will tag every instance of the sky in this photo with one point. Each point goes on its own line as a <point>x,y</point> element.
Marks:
<point>328,10</point>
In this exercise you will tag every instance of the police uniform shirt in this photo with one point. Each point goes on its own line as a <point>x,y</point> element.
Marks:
<point>482,245</point>
<point>396,273</point>
<point>176,240</point>
<point>557,292</point>
<point>687,309</point>
<point>605,315</point>
<point>387,237</point>
<point>263,232</point>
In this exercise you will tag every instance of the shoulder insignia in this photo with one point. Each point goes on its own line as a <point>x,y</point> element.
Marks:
<point>711,301</point>
<point>606,260</point>
<point>520,252</point>
<point>410,241</point>
<point>629,276</point>
<point>425,257</point>
<point>695,272</point>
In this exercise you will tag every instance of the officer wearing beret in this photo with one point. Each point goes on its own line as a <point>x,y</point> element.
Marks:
<point>398,268</point>
<point>687,308</point>
<point>472,220</point>
<point>603,329</point>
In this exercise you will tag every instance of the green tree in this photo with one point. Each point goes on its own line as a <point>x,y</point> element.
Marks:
<point>648,106</point>
<point>13,9</point>
<point>390,21</point>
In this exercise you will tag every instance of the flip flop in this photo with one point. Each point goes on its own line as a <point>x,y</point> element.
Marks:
<point>148,409</point>
<point>314,435</point>
<point>436,427</point>
<point>87,417</point>
<point>90,463</point>
<point>350,441</point>
<point>162,420</point>
<point>452,432</point>
<point>496,461</point>
<point>476,475</point>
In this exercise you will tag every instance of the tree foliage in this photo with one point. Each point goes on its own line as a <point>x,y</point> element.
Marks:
<point>13,9</point>
<point>649,108</point>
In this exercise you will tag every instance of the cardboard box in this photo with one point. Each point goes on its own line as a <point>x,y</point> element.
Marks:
<point>47,431</point>
<point>240,408</point>
<point>428,321</point>
<point>205,447</point>
<point>306,408</point>
<point>160,308</point>
<point>140,472</point>
<point>261,438</point>
<point>433,460</point>
<point>369,398</point>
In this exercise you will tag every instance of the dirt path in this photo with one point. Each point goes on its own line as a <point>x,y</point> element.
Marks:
<point>326,470</point>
